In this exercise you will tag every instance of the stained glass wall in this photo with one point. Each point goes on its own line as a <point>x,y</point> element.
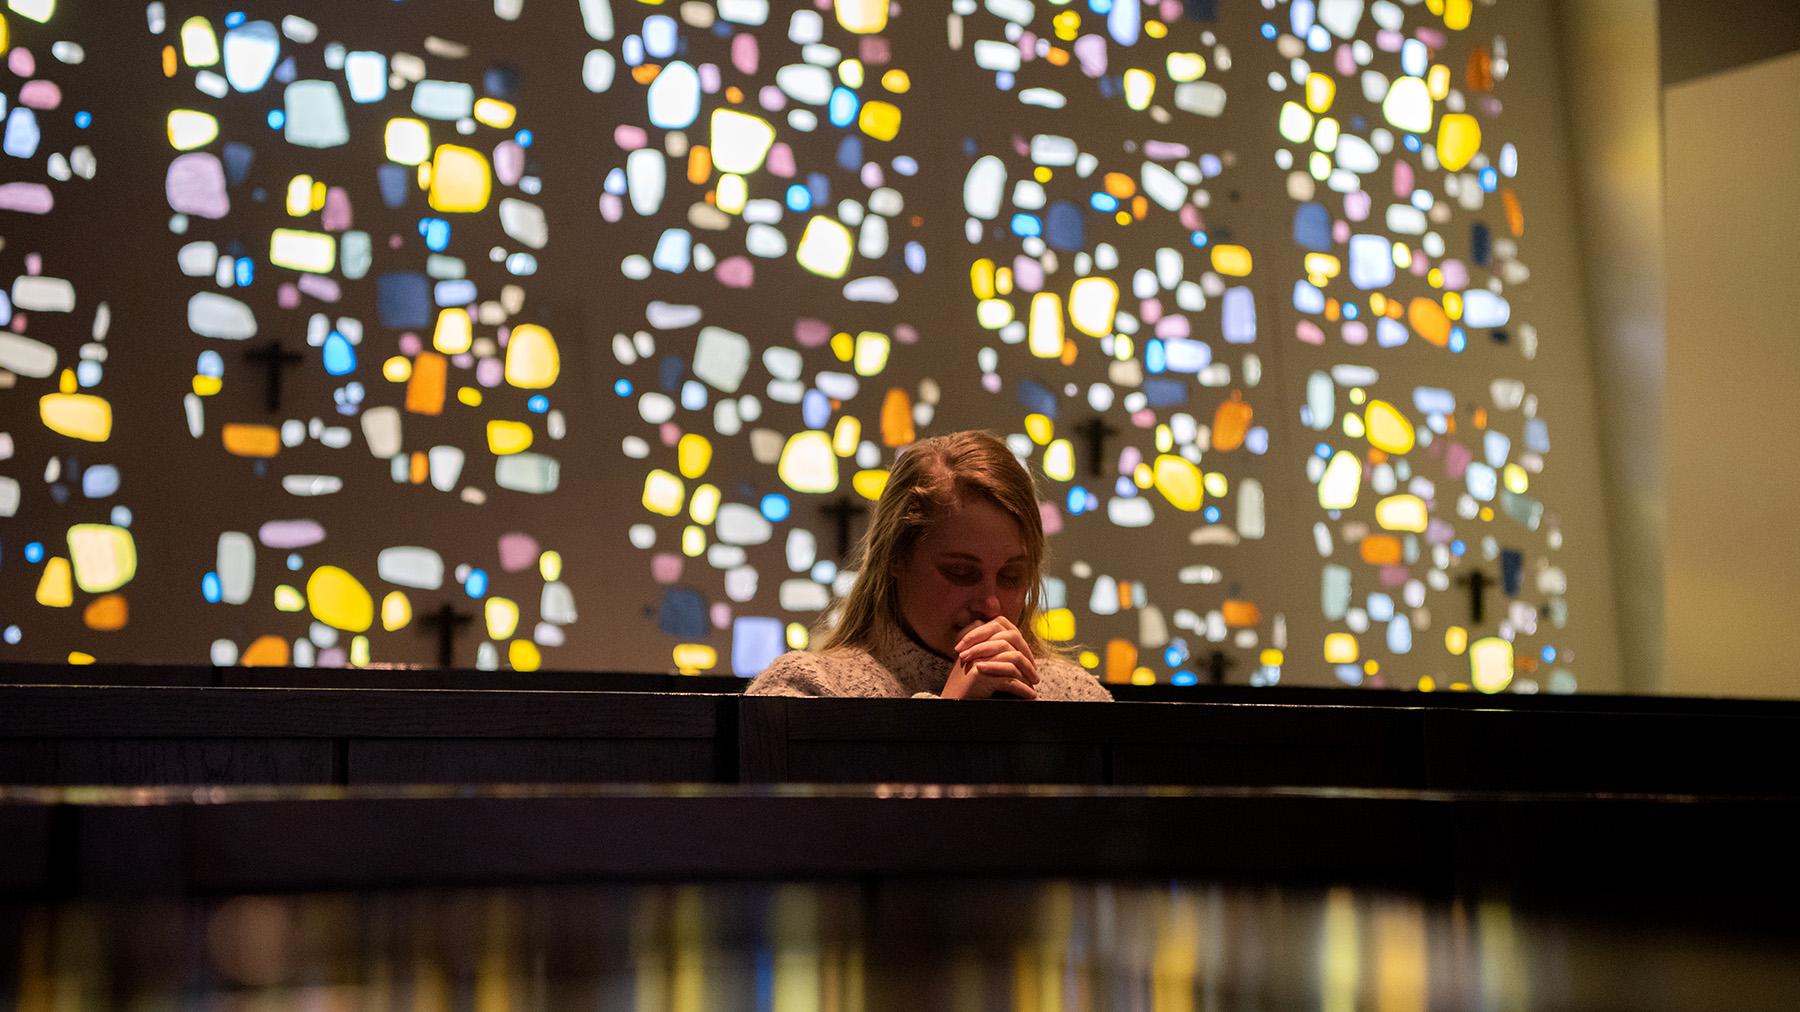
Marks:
<point>599,323</point>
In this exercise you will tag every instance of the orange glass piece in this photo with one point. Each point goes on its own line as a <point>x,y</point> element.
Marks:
<point>1231,422</point>
<point>1381,550</point>
<point>1515,215</point>
<point>1240,614</point>
<point>425,390</point>
<point>246,440</point>
<point>107,613</point>
<point>1121,657</point>
<point>897,419</point>
<point>269,651</point>
<point>1119,185</point>
<point>699,167</point>
<point>1429,321</point>
<point>1479,74</point>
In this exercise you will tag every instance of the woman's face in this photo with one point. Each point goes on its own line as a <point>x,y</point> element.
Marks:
<point>968,568</point>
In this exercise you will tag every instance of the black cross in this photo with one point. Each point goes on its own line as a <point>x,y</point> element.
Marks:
<point>1095,430</point>
<point>1216,664</point>
<point>1478,582</point>
<point>447,620</point>
<point>271,357</point>
<point>844,509</point>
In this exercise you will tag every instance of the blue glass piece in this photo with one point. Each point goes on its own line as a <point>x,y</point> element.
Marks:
<point>1184,676</point>
<point>100,481</point>
<point>476,585</point>
<point>669,372</point>
<point>622,387</point>
<point>682,614</point>
<point>1481,245</point>
<point>1165,391</point>
<point>815,409</point>
<point>538,404</point>
<point>277,119</point>
<point>755,641</point>
<point>395,182</point>
<point>403,299</point>
<point>775,507</point>
<point>455,292</point>
<point>340,355</point>
<point>436,232</point>
<point>1026,225</point>
<point>1239,316</point>
<point>842,108</point>
<point>1312,226</point>
<point>1156,359</point>
<point>34,552</point>
<point>238,158</point>
<point>244,270</point>
<point>211,589</point>
<point>1064,228</point>
<point>850,153</point>
<point>22,133</point>
<point>798,199</point>
<point>1035,398</point>
<point>1512,570</point>
<point>501,81</point>
<point>1105,203</point>
<point>83,120</point>
<point>819,185</point>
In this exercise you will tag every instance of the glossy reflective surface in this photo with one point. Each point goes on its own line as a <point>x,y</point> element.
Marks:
<point>921,944</point>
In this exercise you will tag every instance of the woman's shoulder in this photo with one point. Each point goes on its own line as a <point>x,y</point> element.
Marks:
<point>1062,678</point>
<point>810,673</point>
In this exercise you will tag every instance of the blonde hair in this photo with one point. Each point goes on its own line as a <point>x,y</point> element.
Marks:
<point>929,478</point>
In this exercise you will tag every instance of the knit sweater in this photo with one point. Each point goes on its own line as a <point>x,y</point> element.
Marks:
<point>897,666</point>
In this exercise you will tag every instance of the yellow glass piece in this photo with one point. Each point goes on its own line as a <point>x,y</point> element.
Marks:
<point>300,250</point>
<point>1341,648</point>
<point>1270,658</point>
<point>1088,659</point>
<point>740,141</point>
<point>1408,105</point>
<point>1321,89</point>
<point>359,652</point>
<point>1453,305</point>
<point>896,81</point>
<point>1044,334</point>
<point>550,565</point>
<point>407,141</point>
<point>880,120</point>
<point>1231,261</point>
<point>287,599</point>
<point>1515,479</point>
<point>981,278</point>
<point>1067,25</point>
<point>104,557</point>
<point>703,505</point>
<point>864,17</point>
<point>1039,427</point>
<point>532,361</point>
<point>1216,484</point>
<point>502,617</point>
<point>1140,87</point>
<point>693,455</point>
<point>1179,482</point>
<point>55,588</point>
<point>190,129</point>
<point>1353,426</point>
<point>199,44</point>
<point>845,436</point>
<point>1458,140</point>
<point>1427,684</point>
<point>871,353</point>
<point>1059,460</point>
<point>35,10</point>
<point>504,437</point>
<point>1486,514</point>
<point>1318,164</point>
<point>1457,14</point>
<point>1295,123</point>
<point>1325,135</point>
<point>1456,640</point>
<point>870,484</point>
<point>206,386</point>
<point>495,113</point>
<point>318,195</point>
<point>1389,430</point>
<point>1003,281</point>
<point>1141,675</point>
<point>797,636</point>
<point>524,655</point>
<point>339,600</point>
<point>733,193</point>
<point>460,180</point>
<point>1093,302</point>
<point>78,416</point>
<point>843,346</point>
<point>396,611</point>
<point>299,195</point>
<point>1184,67</point>
<point>693,658</point>
<point>1341,482</point>
<point>1437,82</point>
<point>80,657</point>
<point>1490,664</point>
<point>1056,625</point>
<point>807,462</point>
<point>397,369</point>
<point>1322,266</point>
<point>1402,513</point>
<point>455,332</point>
<point>1142,476</point>
<point>825,247</point>
<point>663,493</point>
<point>993,314</point>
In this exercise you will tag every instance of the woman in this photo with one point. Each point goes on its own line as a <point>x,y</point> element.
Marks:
<point>944,603</point>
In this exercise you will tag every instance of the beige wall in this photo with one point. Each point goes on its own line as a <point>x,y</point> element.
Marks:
<point>1733,416</point>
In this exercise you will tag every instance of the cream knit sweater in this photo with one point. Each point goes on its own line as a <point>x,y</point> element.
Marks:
<point>898,666</point>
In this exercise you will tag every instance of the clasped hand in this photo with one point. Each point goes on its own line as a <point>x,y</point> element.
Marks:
<point>992,659</point>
